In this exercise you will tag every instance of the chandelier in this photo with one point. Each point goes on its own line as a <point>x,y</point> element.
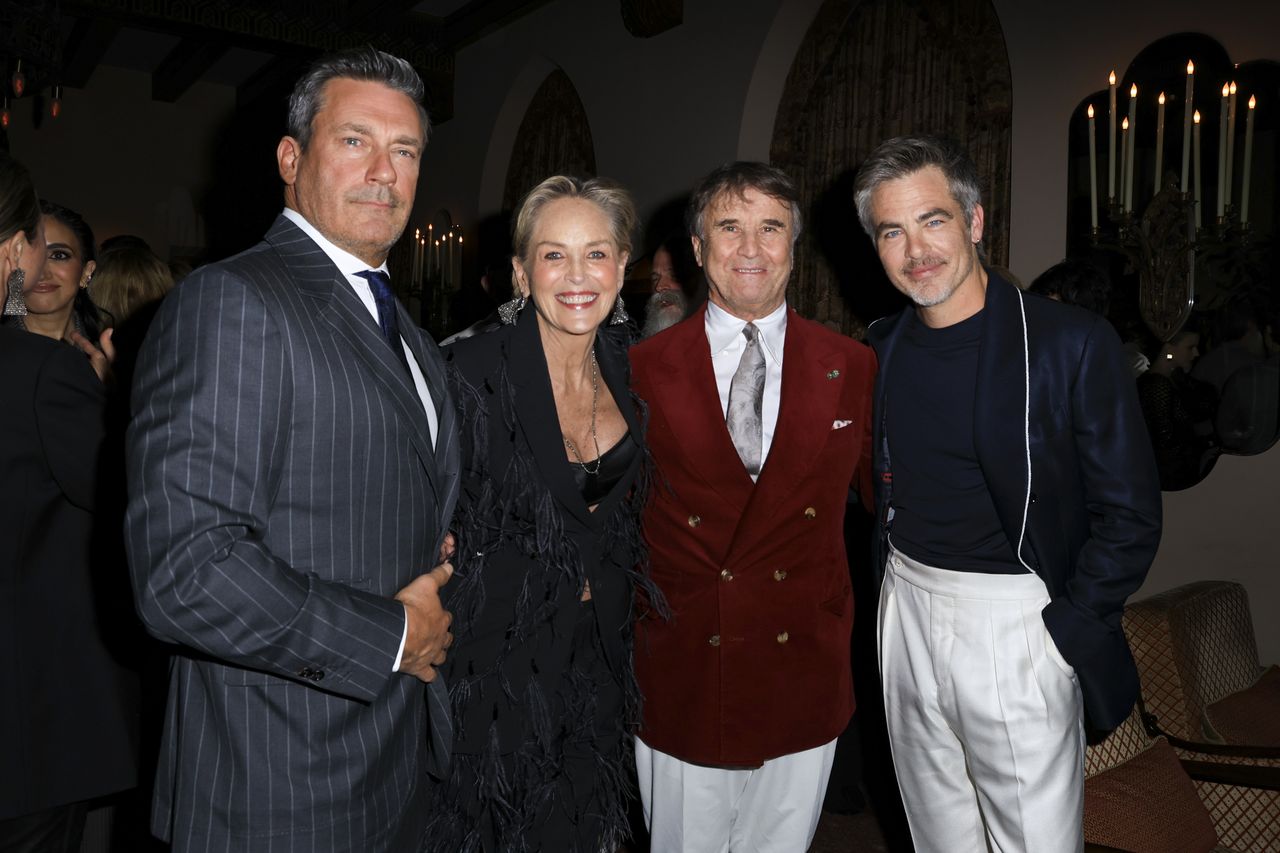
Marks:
<point>30,54</point>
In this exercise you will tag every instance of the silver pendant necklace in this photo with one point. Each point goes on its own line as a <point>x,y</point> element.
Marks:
<point>595,396</point>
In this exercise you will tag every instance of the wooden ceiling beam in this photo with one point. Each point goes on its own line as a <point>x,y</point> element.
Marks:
<point>85,47</point>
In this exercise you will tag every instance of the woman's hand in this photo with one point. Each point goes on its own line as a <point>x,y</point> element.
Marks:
<point>101,356</point>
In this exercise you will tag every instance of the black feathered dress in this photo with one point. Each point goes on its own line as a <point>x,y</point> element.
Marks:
<point>542,683</point>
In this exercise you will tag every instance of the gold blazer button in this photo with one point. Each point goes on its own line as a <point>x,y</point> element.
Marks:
<point>715,640</point>
<point>780,575</point>
<point>694,521</point>
<point>726,575</point>
<point>783,637</point>
<point>810,512</point>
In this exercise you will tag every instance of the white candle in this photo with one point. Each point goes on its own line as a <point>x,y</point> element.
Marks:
<point>1248,160</point>
<point>1093,170</point>
<point>437,258</point>
<point>1196,144</point>
<point>457,278</point>
<point>1124,161</point>
<point>1111,140</point>
<point>449,271</point>
<point>1186,124</point>
<point>1231,142</point>
<point>413,263</point>
<point>1133,135</point>
<point>1159,142</point>
<point>1222,152</point>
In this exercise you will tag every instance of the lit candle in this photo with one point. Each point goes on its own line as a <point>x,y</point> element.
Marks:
<point>1222,152</point>
<point>414,260</point>
<point>1111,140</point>
<point>1128,154</point>
<point>1196,143</point>
<point>1124,162</point>
<point>1248,160</point>
<point>1159,141</point>
<point>1186,124</point>
<point>1093,170</point>
<point>1231,142</point>
<point>458,277</point>
<point>449,239</point>
<point>422,251</point>
<point>437,242</point>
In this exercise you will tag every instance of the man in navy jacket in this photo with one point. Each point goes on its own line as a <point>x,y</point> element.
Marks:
<point>1018,508</point>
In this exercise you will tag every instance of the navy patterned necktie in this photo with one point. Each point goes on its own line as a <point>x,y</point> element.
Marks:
<point>746,400</point>
<point>380,284</point>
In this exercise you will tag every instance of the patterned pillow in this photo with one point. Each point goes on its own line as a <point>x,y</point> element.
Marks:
<point>1249,717</point>
<point>1147,805</point>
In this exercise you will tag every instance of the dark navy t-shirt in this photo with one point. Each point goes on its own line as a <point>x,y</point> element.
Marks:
<point>943,514</point>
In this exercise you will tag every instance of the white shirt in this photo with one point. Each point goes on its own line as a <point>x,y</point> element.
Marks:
<point>724,334</point>
<point>348,264</point>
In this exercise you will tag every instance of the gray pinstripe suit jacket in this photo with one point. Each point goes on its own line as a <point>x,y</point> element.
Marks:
<point>283,486</point>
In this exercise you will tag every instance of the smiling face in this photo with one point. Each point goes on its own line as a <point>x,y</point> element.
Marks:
<point>574,271</point>
<point>747,252</point>
<point>53,294</point>
<point>927,249</point>
<point>356,178</point>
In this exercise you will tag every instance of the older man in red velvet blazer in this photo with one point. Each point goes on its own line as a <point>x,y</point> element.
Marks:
<point>759,425</point>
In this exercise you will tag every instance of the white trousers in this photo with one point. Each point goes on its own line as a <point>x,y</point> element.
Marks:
<point>691,808</point>
<point>985,717</point>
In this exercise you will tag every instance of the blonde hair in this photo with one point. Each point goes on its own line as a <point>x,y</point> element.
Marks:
<point>614,201</point>
<point>127,279</point>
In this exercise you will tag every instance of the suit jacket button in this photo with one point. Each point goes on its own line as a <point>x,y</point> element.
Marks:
<point>780,575</point>
<point>694,521</point>
<point>317,674</point>
<point>726,575</point>
<point>1033,497</point>
<point>783,637</point>
<point>715,640</point>
<point>810,512</point>
<point>305,672</point>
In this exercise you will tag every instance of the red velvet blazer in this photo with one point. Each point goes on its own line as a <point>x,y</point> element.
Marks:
<point>754,662</point>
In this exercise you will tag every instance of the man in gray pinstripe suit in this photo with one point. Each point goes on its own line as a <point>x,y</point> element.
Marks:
<point>293,465</point>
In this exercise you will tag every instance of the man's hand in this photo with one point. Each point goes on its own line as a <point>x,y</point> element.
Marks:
<point>427,636</point>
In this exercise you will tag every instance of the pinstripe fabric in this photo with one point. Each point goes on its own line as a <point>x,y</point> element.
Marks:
<point>283,486</point>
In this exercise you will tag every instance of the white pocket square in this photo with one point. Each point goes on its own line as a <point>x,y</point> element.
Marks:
<point>840,424</point>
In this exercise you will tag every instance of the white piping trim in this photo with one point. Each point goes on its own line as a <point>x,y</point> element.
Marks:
<point>1026,424</point>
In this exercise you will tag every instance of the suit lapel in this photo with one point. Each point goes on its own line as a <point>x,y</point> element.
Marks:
<point>685,392</point>
<point>340,308</point>
<point>537,416</point>
<point>999,406</point>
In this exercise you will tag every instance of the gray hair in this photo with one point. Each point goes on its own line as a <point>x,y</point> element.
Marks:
<point>737,178</point>
<point>905,155</point>
<point>614,202</point>
<point>361,63</point>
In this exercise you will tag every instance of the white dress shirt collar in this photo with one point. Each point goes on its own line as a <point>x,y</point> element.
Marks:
<point>347,263</point>
<point>725,330</point>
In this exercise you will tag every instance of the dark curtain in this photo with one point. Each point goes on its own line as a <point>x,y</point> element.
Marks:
<point>554,139</point>
<point>865,72</point>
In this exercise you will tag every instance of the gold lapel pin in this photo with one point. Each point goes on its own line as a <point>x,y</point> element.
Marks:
<point>832,374</point>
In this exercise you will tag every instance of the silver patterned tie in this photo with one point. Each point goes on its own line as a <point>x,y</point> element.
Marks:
<point>746,397</point>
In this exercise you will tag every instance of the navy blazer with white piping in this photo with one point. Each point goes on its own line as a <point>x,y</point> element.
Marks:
<point>1062,445</point>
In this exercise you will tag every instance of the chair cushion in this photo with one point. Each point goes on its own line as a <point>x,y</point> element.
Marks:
<point>1147,805</point>
<point>1249,717</point>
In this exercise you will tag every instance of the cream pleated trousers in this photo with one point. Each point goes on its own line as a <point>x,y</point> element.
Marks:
<point>774,808</point>
<point>985,717</point>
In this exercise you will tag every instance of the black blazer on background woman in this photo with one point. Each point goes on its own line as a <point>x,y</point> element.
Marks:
<point>67,708</point>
